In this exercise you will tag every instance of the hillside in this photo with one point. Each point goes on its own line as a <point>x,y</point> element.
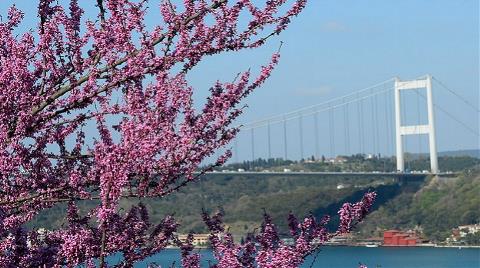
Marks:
<point>472,153</point>
<point>435,206</point>
<point>357,163</point>
<point>244,199</point>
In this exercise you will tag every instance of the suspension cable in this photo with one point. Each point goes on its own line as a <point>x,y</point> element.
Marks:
<point>457,95</point>
<point>253,146</point>
<point>332,132</point>
<point>236,149</point>
<point>372,110</point>
<point>377,126</point>
<point>329,103</point>
<point>347,129</point>
<point>317,147</point>
<point>362,132</point>
<point>285,139</point>
<point>269,142</point>
<point>359,127</point>
<point>387,124</point>
<point>419,123</point>
<point>273,121</point>
<point>452,116</point>
<point>300,128</point>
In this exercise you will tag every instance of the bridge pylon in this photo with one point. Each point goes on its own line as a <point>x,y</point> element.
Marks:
<point>429,128</point>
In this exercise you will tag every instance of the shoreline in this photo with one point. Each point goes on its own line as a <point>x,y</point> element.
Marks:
<point>417,246</point>
<point>380,246</point>
<point>453,246</point>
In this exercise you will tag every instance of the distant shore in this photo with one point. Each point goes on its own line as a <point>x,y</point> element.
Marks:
<point>379,246</point>
<point>453,246</point>
<point>397,246</point>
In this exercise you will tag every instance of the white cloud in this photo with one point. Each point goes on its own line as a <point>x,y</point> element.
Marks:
<point>333,26</point>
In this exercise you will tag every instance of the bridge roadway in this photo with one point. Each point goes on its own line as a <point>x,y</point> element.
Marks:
<point>312,173</point>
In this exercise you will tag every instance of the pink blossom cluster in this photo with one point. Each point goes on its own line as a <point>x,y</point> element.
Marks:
<point>267,250</point>
<point>114,72</point>
<point>136,238</point>
<point>75,71</point>
<point>349,213</point>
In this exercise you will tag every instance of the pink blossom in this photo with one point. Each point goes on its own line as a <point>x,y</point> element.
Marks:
<point>111,72</point>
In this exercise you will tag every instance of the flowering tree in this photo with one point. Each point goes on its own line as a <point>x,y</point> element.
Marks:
<point>129,81</point>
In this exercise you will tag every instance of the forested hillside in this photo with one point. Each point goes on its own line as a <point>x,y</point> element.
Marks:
<point>434,205</point>
<point>437,208</point>
<point>244,199</point>
<point>357,163</point>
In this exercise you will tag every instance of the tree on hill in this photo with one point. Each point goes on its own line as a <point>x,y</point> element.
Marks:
<point>129,81</point>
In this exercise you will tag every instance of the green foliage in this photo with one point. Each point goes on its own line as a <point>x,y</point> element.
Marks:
<point>358,162</point>
<point>437,208</point>
<point>473,239</point>
<point>244,199</point>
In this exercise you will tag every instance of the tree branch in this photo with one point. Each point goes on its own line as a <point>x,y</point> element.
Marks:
<point>104,233</point>
<point>28,198</point>
<point>65,89</point>
<point>70,157</point>
<point>102,10</point>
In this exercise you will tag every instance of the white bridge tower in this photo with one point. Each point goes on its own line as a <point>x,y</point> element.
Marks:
<point>429,128</point>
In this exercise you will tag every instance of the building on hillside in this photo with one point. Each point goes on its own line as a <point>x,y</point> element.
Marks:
<point>399,238</point>
<point>337,160</point>
<point>198,239</point>
<point>342,239</point>
<point>468,229</point>
<point>459,233</point>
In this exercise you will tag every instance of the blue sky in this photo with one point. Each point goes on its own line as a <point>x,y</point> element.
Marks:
<point>336,47</point>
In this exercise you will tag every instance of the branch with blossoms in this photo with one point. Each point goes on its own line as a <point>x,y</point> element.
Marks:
<point>308,236</point>
<point>134,236</point>
<point>129,81</point>
<point>75,71</point>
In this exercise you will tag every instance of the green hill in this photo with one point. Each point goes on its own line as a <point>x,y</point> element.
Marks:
<point>244,199</point>
<point>437,207</point>
<point>434,205</point>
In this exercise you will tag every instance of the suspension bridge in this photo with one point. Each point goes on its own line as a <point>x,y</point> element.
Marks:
<point>381,119</point>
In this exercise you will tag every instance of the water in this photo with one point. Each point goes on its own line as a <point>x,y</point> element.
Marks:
<point>345,257</point>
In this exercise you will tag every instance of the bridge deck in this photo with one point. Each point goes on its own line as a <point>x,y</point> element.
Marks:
<point>292,173</point>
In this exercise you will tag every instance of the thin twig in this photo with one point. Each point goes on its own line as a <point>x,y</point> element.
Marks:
<point>315,258</point>
<point>21,200</point>
<point>63,90</point>
<point>102,10</point>
<point>104,232</point>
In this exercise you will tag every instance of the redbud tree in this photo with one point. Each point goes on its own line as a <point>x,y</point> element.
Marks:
<point>149,140</point>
